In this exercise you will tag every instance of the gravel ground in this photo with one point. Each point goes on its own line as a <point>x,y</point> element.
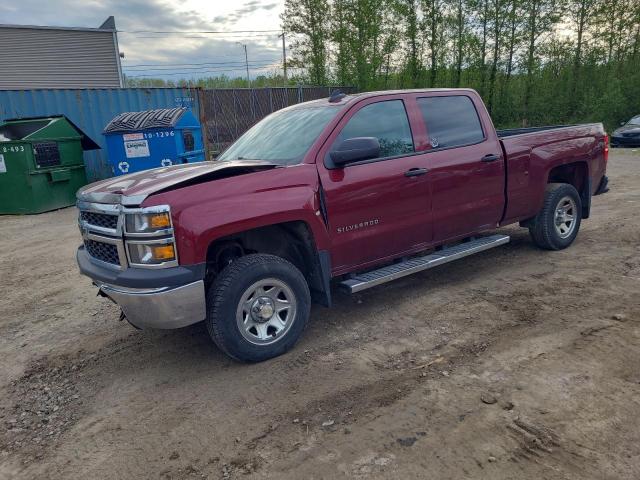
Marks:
<point>515,363</point>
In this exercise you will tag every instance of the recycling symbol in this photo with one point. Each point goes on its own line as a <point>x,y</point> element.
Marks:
<point>166,162</point>
<point>124,167</point>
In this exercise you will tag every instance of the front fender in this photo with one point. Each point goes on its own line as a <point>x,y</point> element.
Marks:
<point>206,212</point>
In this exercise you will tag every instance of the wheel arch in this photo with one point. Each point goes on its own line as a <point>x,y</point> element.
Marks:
<point>292,240</point>
<point>576,174</point>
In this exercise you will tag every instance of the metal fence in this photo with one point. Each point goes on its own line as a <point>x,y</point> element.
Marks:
<point>228,113</point>
<point>225,114</point>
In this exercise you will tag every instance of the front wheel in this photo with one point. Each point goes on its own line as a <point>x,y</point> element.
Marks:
<point>556,225</point>
<point>258,307</point>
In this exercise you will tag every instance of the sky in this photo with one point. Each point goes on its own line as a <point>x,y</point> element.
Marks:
<point>171,55</point>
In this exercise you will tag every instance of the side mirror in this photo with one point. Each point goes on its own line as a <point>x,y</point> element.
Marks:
<point>622,124</point>
<point>356,149</point>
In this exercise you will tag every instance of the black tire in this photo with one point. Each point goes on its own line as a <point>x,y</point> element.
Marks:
<point>543,228</point>
<point>223,303</point>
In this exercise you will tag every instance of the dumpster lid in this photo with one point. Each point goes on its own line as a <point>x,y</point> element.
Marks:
<point>160,118</point>
<point>24,127</point>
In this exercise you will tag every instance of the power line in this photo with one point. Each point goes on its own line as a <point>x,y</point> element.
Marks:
<point>160,35</point>
<point>238,65</point>
<point>216,32</point>
<point>190,65</point>
<point>201,72</point>
<point>203,69</point>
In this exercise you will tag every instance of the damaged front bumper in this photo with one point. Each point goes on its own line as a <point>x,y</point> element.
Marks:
<point>164,307</point>
<point>164,298</point>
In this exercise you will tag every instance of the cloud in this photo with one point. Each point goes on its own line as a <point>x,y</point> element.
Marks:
<point>250,7</point>
<point>220,52</point>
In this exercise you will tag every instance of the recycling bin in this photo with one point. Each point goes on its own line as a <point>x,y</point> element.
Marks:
<point>139,141</point>
<point>41,164</point>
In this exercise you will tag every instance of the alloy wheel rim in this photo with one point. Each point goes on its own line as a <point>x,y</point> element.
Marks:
<point>565,217</point>
<point>266,311</point>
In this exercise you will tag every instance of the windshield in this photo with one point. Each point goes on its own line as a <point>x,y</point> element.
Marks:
<point>634,121</point>
<point>284,137</point>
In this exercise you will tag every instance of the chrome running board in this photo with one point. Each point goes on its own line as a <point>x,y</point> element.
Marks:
<point>362,281</point>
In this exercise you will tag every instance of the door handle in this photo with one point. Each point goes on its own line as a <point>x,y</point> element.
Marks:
<point>415,172</point>
<point>492,157</point>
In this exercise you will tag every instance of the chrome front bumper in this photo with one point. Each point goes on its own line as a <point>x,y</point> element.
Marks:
<point>164,307</point>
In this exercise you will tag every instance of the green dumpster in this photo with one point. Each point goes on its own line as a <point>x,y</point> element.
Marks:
<point>41,164</point>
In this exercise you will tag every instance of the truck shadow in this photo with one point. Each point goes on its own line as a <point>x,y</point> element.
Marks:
<point>192,345</point>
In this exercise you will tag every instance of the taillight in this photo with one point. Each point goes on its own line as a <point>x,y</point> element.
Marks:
<point>606,148</point>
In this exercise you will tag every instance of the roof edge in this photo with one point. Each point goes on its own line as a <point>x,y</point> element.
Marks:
<point>44,27</point>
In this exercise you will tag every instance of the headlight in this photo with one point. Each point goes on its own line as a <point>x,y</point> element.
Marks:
<point>147,222</point>
<point>149,238</point>
<point>151,253</point>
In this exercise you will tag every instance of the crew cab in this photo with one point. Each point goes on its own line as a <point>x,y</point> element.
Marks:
<point>347,192</point>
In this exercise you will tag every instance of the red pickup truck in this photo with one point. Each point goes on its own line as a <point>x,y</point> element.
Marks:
<point>351,191</point>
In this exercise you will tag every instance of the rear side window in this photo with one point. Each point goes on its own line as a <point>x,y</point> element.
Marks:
<point>451,121</point>
<point>387,121</point>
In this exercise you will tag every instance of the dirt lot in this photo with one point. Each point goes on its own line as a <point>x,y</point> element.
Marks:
<point>515,363</point>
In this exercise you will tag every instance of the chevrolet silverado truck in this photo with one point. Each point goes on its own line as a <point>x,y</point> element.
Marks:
<point>348,192</point>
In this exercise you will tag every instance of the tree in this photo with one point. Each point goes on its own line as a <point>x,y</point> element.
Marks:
<point>308,21</point>
<point>513,40</point>
<point>458,24</point>
<point>432,26</point>
<point>407,12</point>
<point>499,16</point>
<point>541,17</point>
<point>533,61</point>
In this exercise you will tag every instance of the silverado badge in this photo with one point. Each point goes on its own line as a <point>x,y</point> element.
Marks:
<point>358,226</point>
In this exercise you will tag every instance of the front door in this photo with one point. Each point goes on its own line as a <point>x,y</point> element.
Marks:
<point>379,208</point>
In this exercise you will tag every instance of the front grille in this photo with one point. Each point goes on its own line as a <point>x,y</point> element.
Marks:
<point>103,220</point>
<point>105,252</point>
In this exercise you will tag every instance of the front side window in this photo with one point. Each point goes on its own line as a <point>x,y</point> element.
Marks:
<point>451,121</point>
<point>284,137</point>
<point>387,121</point>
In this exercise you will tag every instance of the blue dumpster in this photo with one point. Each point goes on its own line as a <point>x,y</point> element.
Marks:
<point>138,141</point>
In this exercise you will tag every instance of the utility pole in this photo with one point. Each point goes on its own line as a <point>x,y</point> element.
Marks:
<point>246,62</point>
<point>284,58</point>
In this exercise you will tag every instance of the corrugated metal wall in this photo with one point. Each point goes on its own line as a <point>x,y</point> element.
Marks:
<point>91,110</point>
<point>40,57</point>
<point>225,114</point>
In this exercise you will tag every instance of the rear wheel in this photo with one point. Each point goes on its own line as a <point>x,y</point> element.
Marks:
<point>556,225</point>
<point>258,307</point>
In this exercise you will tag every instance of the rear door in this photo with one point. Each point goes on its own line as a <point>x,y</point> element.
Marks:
<point>465,162</point>
<point>379,208</point>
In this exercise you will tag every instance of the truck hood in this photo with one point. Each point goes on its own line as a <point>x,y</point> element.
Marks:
<point>133,189</point>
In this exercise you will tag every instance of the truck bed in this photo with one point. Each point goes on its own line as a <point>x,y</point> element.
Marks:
<point>509,132</point>
<point>530,151</point>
